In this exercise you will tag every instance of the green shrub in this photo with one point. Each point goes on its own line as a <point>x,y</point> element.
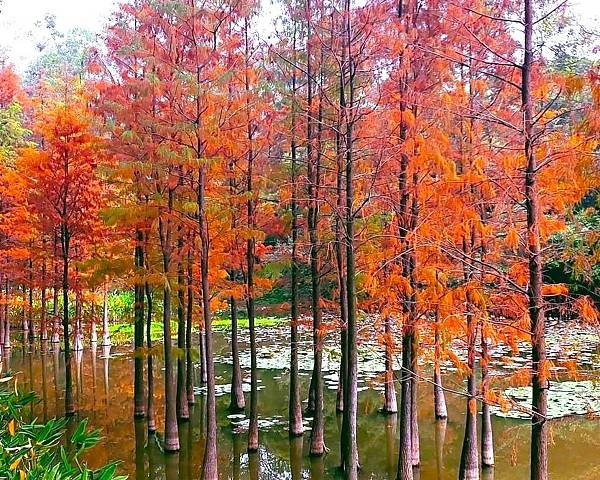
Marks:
<point>35,450</point>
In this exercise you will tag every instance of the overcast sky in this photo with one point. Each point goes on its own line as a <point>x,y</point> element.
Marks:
<point>21,21</point>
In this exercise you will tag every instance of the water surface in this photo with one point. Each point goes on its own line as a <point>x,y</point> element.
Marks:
<point>104,393</point>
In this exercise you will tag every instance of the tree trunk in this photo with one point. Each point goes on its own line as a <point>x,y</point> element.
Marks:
<point>539,425</point>
<point>440,438</point>
<point>31,332</point>
<point>55,294</point>
<point>202,352</point>
<point>487,438</point>
<point>341,271</point>
<point>69,401</point>
<point>391,448</point>
<point>209,465</point>
<point>438,390</point>
<point>253,427</point>
<point>390,404</point>
<point>77,333</point>
<point>296,460</point>
<point>237,402</point>
<point>6,339</point>
<point>171,427</point>
<point>183,413</point>
<point>139,401</point>
<point>105,331</point>
<point>150,411</point>
<point>2,315</point>
<point>93,332</point>
<point>317,445</point>
<point>24,316</point>
<point>405,464</point>
<point>350,463</point>
<point>189,365</point>
<point>469,459</point>
<point>55,320</point>
<point>43,313</point>
<point>296,427</point>
<point>250,259</point>
<point>171,441</point>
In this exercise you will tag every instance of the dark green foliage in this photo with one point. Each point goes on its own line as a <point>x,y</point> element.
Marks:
<point>36,450</point>
<point>578,247</point>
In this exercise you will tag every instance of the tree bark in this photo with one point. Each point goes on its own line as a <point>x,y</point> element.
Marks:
<point>105,331</point>
<point>150,410</point>
<point>189,365</point>
<point>31,333</point>
<point>439,397</point>
<point>139,400</point>
<point>183,413</point>
<point>317,445</point>
<point>390,404</point>
<point>69,401</point>
<point>171,441</point>
<point>250,257</point>
<point>237,401</point>
<point>44,306</point>
<point>296,427</point>
<point>350,463</point>
<point>469,459</point>
<point>6,339</point>
<point>487,438</point>
<point>539,424</point>
<point>210,465</point>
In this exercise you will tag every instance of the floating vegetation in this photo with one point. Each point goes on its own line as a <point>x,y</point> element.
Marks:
<point>564,399</point>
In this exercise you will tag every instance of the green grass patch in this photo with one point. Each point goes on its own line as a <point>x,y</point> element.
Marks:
<point>224,323</point>
<point>122,333</point>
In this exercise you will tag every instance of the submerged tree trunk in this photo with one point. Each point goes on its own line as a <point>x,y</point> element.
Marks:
<point>405,464</point>
<point>317,445</point>
<point>2,315</point>
<point>139,401</point>
<point>171,440</point>
<point>189,365</point>
<point>350,463</point>
<point>6,338</point>
<point>44,306</point>
<point>171,428</point>
<point>31,333</point>
<point>439,398</point>
<point>250,254</point>
<point>210,465</point>
<point>105,331</point>
<point>55,295</point>
<point>296,427</point>
<point>182,403</point>
<point>253,427</point>
<point>77,329</point>
<point>469,459</point>
<point>237,402</point>
<point>24,316</point>
<point>390,404</point>
<point>440,438</point>
<point>150,411</point>
<point>69,401</point>
<point>487,438</point>
<point>93,333</point>
<point>340,263</point>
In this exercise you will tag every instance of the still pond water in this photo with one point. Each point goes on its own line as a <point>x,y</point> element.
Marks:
<point>104,394</point>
